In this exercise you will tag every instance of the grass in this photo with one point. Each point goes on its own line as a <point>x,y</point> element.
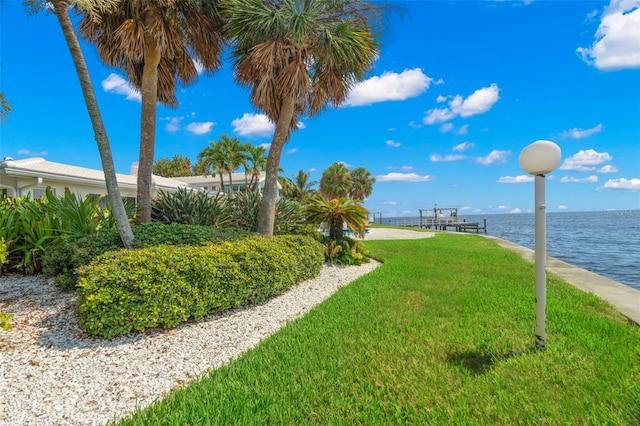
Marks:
<point>441,333</point>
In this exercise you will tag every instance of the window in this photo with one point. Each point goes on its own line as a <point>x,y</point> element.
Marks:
<point>39,192</point>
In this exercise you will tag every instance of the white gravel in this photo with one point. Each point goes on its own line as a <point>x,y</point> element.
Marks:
<point>51,373</point>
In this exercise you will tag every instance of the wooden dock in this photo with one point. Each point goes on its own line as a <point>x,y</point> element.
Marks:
<point>447,218</point>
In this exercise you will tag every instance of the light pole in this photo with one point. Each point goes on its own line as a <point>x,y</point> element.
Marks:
<point>539,159</point>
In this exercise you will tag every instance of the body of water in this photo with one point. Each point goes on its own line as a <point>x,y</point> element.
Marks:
<point>606,243</point>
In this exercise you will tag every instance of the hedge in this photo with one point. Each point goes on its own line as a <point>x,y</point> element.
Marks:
<point>163,286</point>
<point>62,259</point>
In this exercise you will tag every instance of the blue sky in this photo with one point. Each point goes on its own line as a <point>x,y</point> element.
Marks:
<point>459,89</point>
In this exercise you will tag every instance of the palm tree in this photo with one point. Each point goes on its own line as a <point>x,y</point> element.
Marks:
<point>211,161</point>
<point>299,188</point>
<point>362,184</point>
<point>5,108</point>
<point>297,56</point>
<point>336,212</point>
<point>156,43</point>
<point>179,165</point>
<point>91,9</point>
<point>234,155</point>
<point>336,181</point>
<point>256,163</point>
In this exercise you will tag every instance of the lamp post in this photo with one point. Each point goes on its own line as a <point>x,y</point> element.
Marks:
<point>539,159</point>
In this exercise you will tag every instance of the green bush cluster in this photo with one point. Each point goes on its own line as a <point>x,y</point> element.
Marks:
<point>345,251</point>
<point>163,286</point>
<point>71,253</point>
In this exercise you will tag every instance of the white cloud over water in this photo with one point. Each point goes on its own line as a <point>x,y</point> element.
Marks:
<point>404,177</point>
<point>437,158</point>
<point>576,133</point>
<point>632,184</point>
<point>495,156</point>
<point>617,40</point>
<point>478,102</point>
<point>585,160</point>
<point>569,179</point>
<point>390,86</point>
<point>116,84</point>
<point>516,179</point>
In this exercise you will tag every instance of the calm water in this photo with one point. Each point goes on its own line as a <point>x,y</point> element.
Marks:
<point>606,243</point>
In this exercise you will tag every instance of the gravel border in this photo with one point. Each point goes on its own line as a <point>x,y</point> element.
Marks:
<point>51,373</point>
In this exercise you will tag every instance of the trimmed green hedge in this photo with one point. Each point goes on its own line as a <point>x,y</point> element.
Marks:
<point>163,286</point>
<point>70,253</point>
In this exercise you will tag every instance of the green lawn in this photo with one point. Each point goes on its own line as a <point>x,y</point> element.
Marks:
<point>441,333</point>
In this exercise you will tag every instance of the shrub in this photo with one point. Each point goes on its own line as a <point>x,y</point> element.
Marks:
<point>71,253</point>
<point>243,210</point>
<point>3,254</point>
<point>163,286</point>
<point>189,207</point>
<point>345,251</point>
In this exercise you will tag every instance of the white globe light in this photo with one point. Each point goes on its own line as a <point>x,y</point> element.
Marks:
<point>540,158</point>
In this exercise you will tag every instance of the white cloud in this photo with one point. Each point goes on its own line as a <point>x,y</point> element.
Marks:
<point>462,130</point>
<point>116,84</point>
<point>390,86</point>
<point>406,168</point>
<point>632,184</point>
<point>585,160</point>
<point>563,207</point>
<point>478,102</point>
<point>200,128</point>
<point>415,125</point>
<point>516,179</point>
<point>393,144</point>
<point>199,66</point>
<point>446,127</point>
<point>516,210</point>
<point>617,40</point>
<point>440,99</point>
<point>569,179</point>
<point>389,203</point>
<point>495,156</point>
<point>502,207</point>
<point>404,177</point>
<point>301,125</point>
<point>437,158</point>
<point>466,208</point>
<point>608,169</point>
<point>266,146</point>
<point>173,124</point>
<point>464,146</point>
<point>253,125</point>
<point>291,151</point>
<point>576,133</point>
<point>28,152</point>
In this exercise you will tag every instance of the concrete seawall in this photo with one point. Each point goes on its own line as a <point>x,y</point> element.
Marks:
<point>624,298</point>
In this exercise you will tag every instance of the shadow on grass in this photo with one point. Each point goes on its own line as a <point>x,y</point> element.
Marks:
<point>479,361</point>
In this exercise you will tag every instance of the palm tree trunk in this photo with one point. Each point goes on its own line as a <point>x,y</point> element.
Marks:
<point>100,134</point>
<point>270,194</point>
<point>336,231</point>
<point>149,93</point>
<point>230,183</point>
<point>221,183</point>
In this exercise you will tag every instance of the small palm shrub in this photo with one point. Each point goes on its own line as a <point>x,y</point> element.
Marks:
<point>71,253</point>
<point>163,286</point>
<point>3,254</point>
<point>345,251</point>
<point>189,207</point>
<point>336,212</point>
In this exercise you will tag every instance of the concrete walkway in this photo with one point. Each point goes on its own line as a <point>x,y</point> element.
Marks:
<point>624,298</point>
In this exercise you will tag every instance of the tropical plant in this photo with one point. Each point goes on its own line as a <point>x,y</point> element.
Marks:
<point>299,188</point>
<point>5,108</point>
<point>189,207</point>
<point>234,155</point>
<point>92,9</point>
<point>256,163</point>
<point>297,56</point>
<point>211,162</point>
<point>319,210</point>
<point>156,44</point>
<point>336,181</point>
<point>345,251</point>
<point>244,211</point>
<point>362,184</point>
<point>177,166</point>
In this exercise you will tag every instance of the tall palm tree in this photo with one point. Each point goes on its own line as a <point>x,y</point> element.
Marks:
<point>156,43</point>
<point>297,56</point>
<point>362,184</point>
<point>336,181</point>
<point>5,108</point>
<point>211,161</point>
<point>234,155</point>
<point>299,188</point>
<point>92,9</point>
<point>336,212</point>
<point>256,163</point>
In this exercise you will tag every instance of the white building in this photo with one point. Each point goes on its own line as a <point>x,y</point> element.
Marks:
<point>32,176</point>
